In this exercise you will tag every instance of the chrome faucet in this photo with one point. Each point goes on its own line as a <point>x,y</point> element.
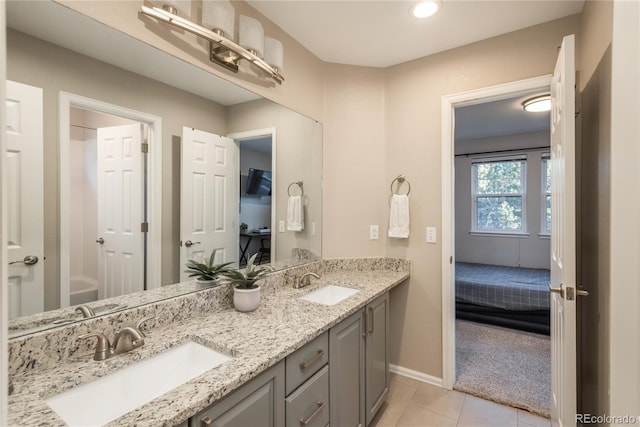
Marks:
<point>301,283</point>
<point>85,311</point>
<point>127,339</point>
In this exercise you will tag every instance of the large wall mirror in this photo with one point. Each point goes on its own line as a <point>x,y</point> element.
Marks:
<point>106,136</point>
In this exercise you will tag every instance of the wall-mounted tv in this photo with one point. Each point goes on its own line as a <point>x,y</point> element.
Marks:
<point>259,182</point>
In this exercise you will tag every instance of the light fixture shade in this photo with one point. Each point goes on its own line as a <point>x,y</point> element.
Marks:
<point>251,35</point>
<point>538,104</point>
<point>182,6</point>
<point>274,53</point>
<point>219,15</point>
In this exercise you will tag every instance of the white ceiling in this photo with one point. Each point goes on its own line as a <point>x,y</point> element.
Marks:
<point>381,33</point>
<point>496,118</point>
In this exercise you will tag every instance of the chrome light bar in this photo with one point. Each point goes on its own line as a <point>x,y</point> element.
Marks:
<point>222,50</point>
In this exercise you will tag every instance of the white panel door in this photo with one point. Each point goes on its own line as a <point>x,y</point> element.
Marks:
<point>209,198</point>
<point>563,238</point>
<point>25,229</point>
<point>120,241</point>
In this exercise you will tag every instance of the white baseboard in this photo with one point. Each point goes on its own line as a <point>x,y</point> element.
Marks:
<point>419,376</point>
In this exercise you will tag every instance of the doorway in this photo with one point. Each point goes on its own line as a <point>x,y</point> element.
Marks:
<point>105,180</point>
<point>450,104</point>
<point>89,186</point>
<point>257,210</point>
<point>502,252</point>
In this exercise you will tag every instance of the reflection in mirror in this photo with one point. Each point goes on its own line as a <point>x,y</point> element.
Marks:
<point>45,53</point>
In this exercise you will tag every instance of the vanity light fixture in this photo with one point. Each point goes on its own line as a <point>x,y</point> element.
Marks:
<point>219,16</point>
<point>424,9</point>
<point>537,104</point>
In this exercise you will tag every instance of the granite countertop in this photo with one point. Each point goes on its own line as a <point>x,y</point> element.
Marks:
<point>257,340</point>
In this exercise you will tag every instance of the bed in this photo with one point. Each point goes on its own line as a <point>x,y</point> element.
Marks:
<point>513,297</point>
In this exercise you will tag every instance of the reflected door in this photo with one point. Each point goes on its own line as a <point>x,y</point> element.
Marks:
<point>209,198</point>
<point>120,239</point>
<point>563,239</point>
<point>24,174</point>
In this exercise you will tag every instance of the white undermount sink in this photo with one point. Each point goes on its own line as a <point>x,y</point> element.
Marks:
<point>104,400</point>
<point>329,294</point>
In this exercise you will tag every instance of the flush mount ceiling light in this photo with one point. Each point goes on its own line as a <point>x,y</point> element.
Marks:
<point>425,9</point>
<point>218,28</point>
<point>537,104</point>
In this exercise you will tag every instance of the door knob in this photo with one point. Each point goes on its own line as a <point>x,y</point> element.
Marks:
<point>189,243</point>
<point>582,293</point>
<point>558,290</point>
<point>28,260</point>
<point>100,240</point>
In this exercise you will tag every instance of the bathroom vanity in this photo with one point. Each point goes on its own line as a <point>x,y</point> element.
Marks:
<point>282,357</point>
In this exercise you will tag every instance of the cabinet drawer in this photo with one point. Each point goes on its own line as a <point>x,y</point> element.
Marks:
<point>306,361</point>
<point>308,406</point>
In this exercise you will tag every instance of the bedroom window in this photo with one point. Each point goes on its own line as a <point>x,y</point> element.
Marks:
<point>546,195</point>
<point>499,195</point>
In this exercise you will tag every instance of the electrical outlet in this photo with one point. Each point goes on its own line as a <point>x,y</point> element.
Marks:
<point>313,228</point>
<point>281,226</point>
<point>431,235</point>
<point>373,232</point>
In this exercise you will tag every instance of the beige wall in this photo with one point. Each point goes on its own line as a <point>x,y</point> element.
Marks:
<point>413,118</point>
<point>594,125</point>
<point>34,62</point>
<point>355,189</point>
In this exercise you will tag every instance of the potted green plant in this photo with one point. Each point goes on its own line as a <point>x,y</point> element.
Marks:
<point>246,293</point>
<point>243,227</point>
<point>206,273</point>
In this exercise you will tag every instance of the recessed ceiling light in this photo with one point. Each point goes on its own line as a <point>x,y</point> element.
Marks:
<point>425,9</point>
<point>537,104</point>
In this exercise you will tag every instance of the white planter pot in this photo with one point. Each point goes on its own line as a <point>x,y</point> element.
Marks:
<point>205,283</point>
<point>246,299</point>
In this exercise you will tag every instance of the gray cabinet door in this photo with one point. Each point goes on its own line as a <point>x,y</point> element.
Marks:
<point>377,355</point>
<point>259,403</point>
<point>346,372</point>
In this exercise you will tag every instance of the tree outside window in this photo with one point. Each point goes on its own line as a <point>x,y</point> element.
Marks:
<point>499,195</point>
<point>546,194</point>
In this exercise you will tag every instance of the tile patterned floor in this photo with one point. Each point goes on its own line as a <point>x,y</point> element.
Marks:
<point>412,403</point>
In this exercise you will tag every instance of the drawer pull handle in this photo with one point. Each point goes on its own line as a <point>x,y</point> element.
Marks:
<point>205,421</point>
<point>304,422</point>
<point>313,360</point>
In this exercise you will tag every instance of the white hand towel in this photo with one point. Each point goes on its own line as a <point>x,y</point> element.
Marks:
<point>399,216</point>
<point>295,215</point>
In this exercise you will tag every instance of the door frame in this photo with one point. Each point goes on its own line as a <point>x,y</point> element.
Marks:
<point>154,185</point>
<point>449,103</point>
<point>252,134</point>
<point>4,269</point>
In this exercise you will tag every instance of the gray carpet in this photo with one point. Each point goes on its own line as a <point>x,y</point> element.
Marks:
<point>507,366</point>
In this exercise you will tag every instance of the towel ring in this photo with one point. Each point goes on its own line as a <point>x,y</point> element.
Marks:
<point>299,184</point>
<point>401,179</point>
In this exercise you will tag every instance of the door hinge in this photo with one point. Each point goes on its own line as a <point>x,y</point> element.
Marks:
<point>144,227</point>
<point>144,147</point>
<point>451,260</point>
